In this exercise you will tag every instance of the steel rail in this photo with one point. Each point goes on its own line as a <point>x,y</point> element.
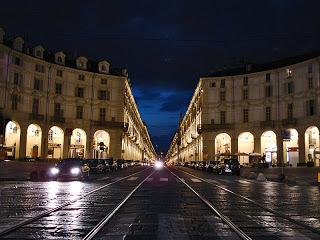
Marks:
<point>95,230</point>
<point>224,218</point>
<point>48,212</point>
<point>279,214</point>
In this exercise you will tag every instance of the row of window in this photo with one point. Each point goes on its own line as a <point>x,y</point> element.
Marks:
<point>268,90</point>
<point>267,77</point>
<point>310,111</point>
<point>79,91</point>
<point>58,113</point>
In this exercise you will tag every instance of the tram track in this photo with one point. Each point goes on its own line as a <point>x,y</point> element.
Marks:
<point>224,218</point>
<point>246,199</point>
<point>48,212</point>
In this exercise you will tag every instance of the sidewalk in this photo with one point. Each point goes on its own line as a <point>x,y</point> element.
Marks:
<point>302,176</point>
<point>21,171</point>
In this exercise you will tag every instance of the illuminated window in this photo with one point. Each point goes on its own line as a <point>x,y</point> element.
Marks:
<point>289,73</point>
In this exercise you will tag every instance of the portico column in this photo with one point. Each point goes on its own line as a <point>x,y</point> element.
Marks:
<point>234,145</point>
<point>23,141</point>
<point>279,151</point>
<point>302,146</point>
<point>66,146</point>
<point>257,145</point>
<point>89,147</point>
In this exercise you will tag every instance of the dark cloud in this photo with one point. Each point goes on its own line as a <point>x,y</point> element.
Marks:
<point>167,45</point>
<point>175,103</point>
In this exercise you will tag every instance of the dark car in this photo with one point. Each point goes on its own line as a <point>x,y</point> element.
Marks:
<point>97,165</point>
<point>71,168</point>
<point>211,166</point>
<point>120,163</point>
<point>137,163</point>
<point>192,164</point>
<point>201,165</point>
<point>229,166</point>
<point>112,165</point>
<point>186,164</point>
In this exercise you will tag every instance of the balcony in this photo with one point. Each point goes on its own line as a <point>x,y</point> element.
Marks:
<point>289,122</point>
<point>109,124</point>
<point>36,116</point>
<point>214,127</point>
<point>269,123</point>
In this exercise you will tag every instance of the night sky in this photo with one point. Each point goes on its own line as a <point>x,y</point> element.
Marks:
<point>167,45</point>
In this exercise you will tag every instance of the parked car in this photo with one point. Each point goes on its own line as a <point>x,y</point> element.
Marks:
<point>97,165</point>
<point>120,163</point>
<point>111,164</point>
<point>229,166</point>
<point>201,165</point>
<point>211,165</point>
<point>196,165</point>
<point>191,165</point>
<point>186,164</point>
<point>71,168</point>
<point>137,163</point>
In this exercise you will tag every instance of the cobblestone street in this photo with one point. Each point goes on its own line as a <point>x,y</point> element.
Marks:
<point>163,207</point>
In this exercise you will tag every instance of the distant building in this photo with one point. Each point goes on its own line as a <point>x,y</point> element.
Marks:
<point>53,107</point>
<point>272,110</point>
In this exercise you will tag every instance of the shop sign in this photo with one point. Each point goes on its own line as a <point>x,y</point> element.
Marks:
<point>268,157</point>
<point>54,145</point>
<point>76,146</point>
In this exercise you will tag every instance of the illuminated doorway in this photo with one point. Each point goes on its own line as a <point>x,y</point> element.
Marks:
<point>78,143</point>
<point>101,144</point>
<point>269,147</point>
<point>55,143</point>
<point>34,136</point>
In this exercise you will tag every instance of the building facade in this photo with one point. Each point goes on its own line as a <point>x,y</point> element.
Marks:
<point>53,107</point>
<point>269,110</point>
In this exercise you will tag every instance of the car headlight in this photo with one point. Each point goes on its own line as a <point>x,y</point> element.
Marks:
<point>75,171</point>
<point>54,171</point>
<point>158,165</point>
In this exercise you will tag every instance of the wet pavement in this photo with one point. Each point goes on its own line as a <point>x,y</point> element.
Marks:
<point>162,208</point>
